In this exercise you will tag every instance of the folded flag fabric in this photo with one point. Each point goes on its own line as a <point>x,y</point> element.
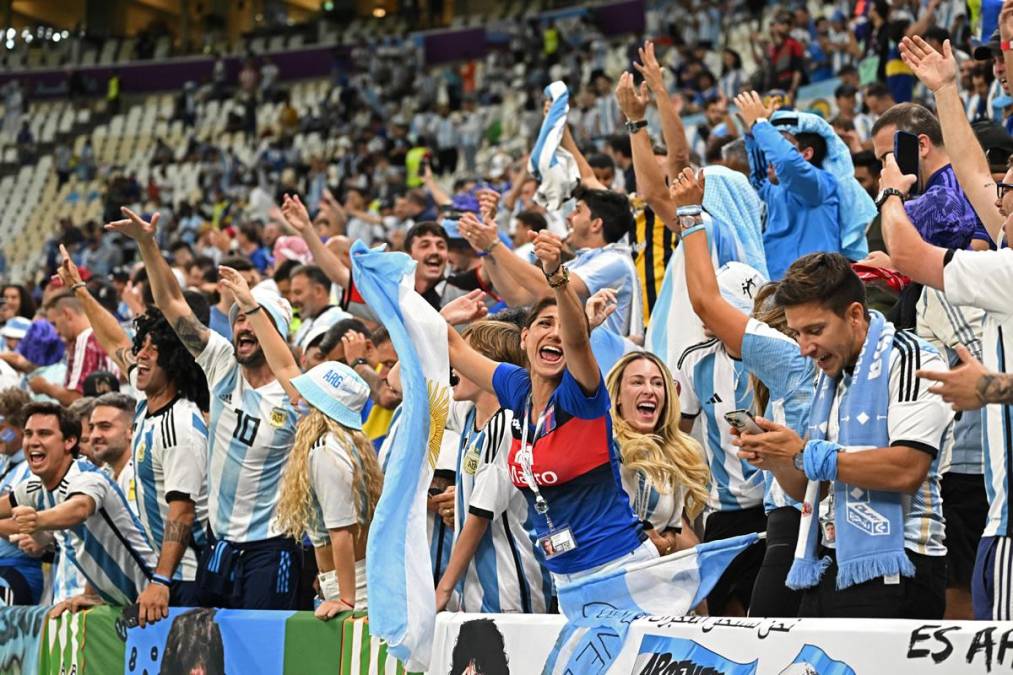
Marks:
<point>402,603</point>
<point>600,608</point>
<point>554,168</point>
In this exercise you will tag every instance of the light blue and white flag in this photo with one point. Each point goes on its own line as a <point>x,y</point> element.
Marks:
<point>599,609</point>
<point>402,605</point>
<point>554,168</point>
<point>733,216</point>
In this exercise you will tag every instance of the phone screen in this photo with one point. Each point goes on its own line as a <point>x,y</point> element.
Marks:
<point>905,151</point>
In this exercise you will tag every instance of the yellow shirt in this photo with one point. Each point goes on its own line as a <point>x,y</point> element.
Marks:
<point>652,244</point>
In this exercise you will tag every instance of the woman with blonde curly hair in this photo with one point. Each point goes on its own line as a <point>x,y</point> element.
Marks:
<point>663,469</point>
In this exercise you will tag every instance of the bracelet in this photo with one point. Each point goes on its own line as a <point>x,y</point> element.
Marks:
<point>80,284</point>
<point>696,228</point>
<point>563,279</point>
<point>254,310</point>
<point>358,362</point>
<point>488,249</point>
<point>159,579</point>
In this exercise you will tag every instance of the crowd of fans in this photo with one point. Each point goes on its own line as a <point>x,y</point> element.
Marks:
<point>195,404</point>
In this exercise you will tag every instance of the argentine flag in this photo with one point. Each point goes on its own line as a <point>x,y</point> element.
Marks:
<point>599,609</point>
<point>402,603</point>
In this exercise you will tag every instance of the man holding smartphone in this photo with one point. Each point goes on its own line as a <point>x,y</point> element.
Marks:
<point>941,212</point>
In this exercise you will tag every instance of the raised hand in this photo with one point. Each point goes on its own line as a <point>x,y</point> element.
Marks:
<point>935,70</point>
<point>751,108</point>
<point>687,188</point>
<point>1006,21</point>
<point>355,347</point>
<point>296,215</point>
<point>548,250</point>
<point>465,309</point>
<point>67,270</point>
<point>633,103</point>
<point>488,199</point>
<point>233,281</point>
<point>481,235</point>
<point>891,177</point>
<point>134,226</point>
<point>651,70</point>
<point>600,307</point>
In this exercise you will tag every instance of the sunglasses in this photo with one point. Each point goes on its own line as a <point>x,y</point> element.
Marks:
<point>1002,188</point>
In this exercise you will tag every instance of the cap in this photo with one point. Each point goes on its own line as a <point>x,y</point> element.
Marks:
<point>994,140</point>
<point>738,283</point>
<point>320,326</point>
<point>335,390</point>
<point>15,327</point>
<point>984,51</point>
<point>276,306</point>
<point>41,344</point>
<point>100,382</point>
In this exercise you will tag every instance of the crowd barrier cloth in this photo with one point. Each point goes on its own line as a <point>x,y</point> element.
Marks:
<point>208,641</point>
<point>690,645</point>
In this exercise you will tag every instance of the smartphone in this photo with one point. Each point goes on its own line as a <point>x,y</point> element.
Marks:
<point>905,151</point>
<point>743,421</point>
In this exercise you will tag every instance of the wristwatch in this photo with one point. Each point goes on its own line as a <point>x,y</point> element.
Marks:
<point>689,216</point>
<point>885,194</point>
<point>358,362</point>
<point>634,127</point>
<point>798,461</point>
<point>560,277</point>
<point>757,121</point>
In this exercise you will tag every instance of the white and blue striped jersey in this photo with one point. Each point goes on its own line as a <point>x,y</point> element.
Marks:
<point>170,452</point>
<point>440,535</point>
<point>918,419</point>
<point>253,432</point>
<point>982,279</point>
<point>662,510</point>
<point>13,471</point>
<point>713,383</point>
<point>944,326</point>
<point>776,360</point>
<point>67,580</point>
<point>109,547</point>
<point>507,572</point>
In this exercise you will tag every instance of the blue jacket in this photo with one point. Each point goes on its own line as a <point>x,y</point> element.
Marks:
<point>802,209</point>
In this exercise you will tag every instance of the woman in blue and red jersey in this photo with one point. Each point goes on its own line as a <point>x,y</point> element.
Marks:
<point>563,455</point>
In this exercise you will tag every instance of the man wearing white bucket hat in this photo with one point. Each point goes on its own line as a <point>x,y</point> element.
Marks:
<point>247,564</point>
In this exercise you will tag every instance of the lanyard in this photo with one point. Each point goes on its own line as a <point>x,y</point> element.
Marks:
<point>526,458</point>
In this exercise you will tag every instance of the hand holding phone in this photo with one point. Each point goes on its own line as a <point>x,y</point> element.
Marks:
<point>906,152</point>
<point>743,421</point>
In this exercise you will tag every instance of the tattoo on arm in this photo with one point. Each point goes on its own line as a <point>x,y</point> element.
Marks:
<point>995,388</point>
<point>192,333</point>
<point>178,532</point>
<point>124,358</point>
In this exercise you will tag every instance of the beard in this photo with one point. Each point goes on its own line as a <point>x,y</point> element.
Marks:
<point>254,359</point>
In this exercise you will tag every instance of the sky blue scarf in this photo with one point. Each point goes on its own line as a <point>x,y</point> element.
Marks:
<point>869,523</point>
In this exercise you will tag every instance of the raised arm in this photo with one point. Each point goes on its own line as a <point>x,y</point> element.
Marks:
<point>909,253</point>
<point>573,328</point>
<point>587,177</point>
<point>298,218</point>
<point>276,352</point>
<point>794,171</point>
<point>517,281</point>
<point>719,315</point>
<point>164,286</point>
<point>650,178</point>
<point>438,194</point>
<point>110,335</point>
<point>938,72</point>
<point>672,129</point>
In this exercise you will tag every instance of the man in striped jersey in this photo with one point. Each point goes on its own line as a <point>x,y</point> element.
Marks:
<point>20,574</point>
<point>978,279</point>
<point>249,564</point>
<point>825,305</point>
<point>168,447</point>
<point>84,506</point>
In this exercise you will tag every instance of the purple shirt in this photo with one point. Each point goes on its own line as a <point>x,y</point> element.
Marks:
<point>942,214</point>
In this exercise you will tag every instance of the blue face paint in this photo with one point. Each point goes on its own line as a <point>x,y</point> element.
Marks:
<point>7,435</point>
<point>302,408</point>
